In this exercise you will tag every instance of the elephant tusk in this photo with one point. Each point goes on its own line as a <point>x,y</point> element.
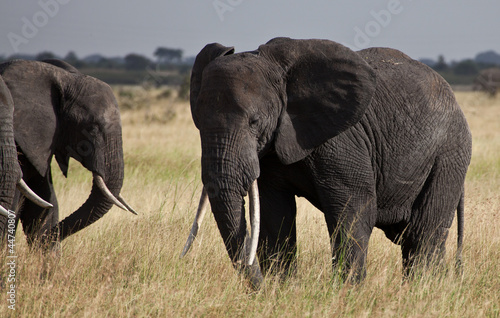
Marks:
<point>32,196</point>
<point>4,211</point>
<point>99,182</point>
<point>254,220</point>
<point>200,213</point>
<point>122,200</point>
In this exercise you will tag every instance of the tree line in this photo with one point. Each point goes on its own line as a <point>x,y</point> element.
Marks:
<point>465,71</point>
<point>170,67</point>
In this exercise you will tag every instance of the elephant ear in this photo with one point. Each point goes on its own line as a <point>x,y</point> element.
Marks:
<point>209,53</point>
<point>36,115</point>
<point>35,119</point>
<point>328,88</point>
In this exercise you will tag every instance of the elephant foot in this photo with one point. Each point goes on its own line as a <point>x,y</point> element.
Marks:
<point>253,275</point>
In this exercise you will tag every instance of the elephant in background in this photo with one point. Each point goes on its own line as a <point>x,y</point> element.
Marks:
<point>371,138</point>
<point>488,81</point>
<point>63,113</point>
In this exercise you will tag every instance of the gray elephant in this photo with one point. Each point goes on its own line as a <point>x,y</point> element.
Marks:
<point>63,113</point>
<point>371,138</point>
<point>10,171</point>
<point>488,81</point>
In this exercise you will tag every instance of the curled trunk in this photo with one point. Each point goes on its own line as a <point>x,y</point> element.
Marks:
<point>98,203</point>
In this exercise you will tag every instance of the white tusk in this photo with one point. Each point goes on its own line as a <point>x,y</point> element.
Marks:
<point>200,213</point>
<point>32,196</point>
<point>4,212</point>
<point>99,182</point>
<point>122,200</point>
<point>254,220</point>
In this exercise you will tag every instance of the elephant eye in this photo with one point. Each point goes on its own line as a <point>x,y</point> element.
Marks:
<point>254,121</point>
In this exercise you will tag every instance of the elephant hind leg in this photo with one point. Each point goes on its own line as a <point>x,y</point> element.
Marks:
<point>432,215</point>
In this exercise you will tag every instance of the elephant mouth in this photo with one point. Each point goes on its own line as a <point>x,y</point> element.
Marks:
<point>118,201</point>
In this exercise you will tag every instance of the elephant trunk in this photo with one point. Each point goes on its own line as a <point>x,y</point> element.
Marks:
<point>229,213</point>
<point>10,172</point>
<point>103,195</point>
<point>10,175</point>
<point>254,217</point>
<point>228,172</point>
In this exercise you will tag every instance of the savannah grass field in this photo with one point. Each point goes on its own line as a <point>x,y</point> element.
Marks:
<point>129,266</point>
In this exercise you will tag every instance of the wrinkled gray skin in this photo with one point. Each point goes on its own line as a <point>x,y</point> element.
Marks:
<point>371,138</point>
<point>63,113</point>
<point>10,172</point>
<point>488,81</point>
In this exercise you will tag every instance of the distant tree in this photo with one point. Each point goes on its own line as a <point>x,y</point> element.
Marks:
<point>428,62</point>
<point>73,59</point>
<point>136,62</point>
<point>166,55</point>
<point>441,64</point>
<point>109,63</point>
<point>466,67</point>
<point>488,57</point>
<point>45,55</point>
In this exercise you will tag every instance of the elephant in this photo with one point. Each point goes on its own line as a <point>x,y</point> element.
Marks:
<point>10,171</point>
<point>488,81</point>
<point>371,138</point>
<point>61,112</point>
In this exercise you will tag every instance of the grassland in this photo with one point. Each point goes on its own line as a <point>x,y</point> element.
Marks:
<point>129,266</point>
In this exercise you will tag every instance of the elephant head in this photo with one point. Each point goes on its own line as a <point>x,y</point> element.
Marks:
<point>286,98</point>
<point>63,113</point>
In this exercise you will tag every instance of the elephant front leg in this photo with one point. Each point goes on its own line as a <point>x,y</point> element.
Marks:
<point>278,240</point>
<point>37,221</point>
<point>349,241</point>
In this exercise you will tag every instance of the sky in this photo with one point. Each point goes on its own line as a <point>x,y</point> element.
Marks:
<point>456,29</point>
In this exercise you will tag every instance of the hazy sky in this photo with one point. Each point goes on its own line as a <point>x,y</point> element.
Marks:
<point>421,28</point>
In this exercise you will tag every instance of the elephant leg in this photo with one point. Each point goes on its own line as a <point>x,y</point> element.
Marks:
<point>349,242</point>
<point>417,255</point>
<point>278,238</point>
<point>432,215</point>
<point>38,221</point>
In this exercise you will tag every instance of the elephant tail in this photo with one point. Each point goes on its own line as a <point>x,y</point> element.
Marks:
<point>460,232</point>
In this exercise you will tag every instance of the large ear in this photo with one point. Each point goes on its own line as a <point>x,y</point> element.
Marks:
<point>328,88</point>
<point>35,113</point>
<point>209,53</point>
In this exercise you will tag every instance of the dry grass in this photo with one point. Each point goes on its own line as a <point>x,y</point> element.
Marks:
<point>128,266</point>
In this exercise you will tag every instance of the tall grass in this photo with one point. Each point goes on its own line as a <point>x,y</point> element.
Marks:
<point>129,266</point>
